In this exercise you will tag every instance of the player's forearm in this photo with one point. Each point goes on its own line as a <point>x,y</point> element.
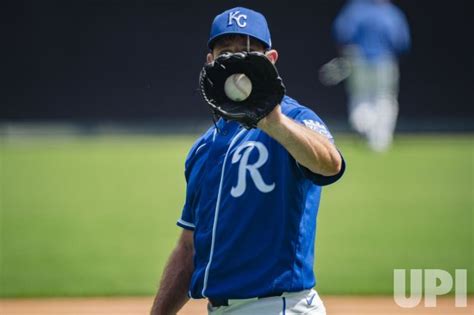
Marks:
<point>309,148</point>
<point>172,294</point>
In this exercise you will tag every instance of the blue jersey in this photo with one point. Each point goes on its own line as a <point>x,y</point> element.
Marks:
<point>253,210</point>
<point>380,30</point>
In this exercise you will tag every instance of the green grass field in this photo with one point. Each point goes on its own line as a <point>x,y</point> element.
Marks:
<point>96,215</point>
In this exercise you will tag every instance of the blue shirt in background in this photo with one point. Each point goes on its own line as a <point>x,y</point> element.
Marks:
<point>378,28</point>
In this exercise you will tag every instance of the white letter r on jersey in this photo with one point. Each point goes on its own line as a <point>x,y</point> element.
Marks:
<point>247,147</point>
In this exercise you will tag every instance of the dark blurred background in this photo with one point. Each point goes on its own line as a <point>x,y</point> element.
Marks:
<point>138,61</point>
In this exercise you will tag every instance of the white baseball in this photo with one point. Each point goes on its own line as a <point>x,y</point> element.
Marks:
<point>238,87</point>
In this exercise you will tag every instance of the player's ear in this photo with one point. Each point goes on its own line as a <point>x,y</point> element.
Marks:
<point>272,54</point>
<point>209,58</point>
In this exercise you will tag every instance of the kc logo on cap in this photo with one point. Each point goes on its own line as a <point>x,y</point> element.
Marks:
<point>237,17</point>
<point>241,21</point>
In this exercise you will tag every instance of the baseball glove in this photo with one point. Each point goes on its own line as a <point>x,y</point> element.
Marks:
<point>267,87</point>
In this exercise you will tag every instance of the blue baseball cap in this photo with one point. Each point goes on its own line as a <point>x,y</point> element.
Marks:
<point>243,21</point>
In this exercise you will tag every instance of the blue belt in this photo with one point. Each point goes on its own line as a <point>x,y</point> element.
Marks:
<point>225,302</point>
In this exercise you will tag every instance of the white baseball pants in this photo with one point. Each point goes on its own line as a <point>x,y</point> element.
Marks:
<point>373,104</point>
<point>303,302</point>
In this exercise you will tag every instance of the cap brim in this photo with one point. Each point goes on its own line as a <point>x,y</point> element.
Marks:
<point>212,40</point>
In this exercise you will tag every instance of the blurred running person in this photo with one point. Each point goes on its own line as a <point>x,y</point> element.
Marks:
<point>371,35</point>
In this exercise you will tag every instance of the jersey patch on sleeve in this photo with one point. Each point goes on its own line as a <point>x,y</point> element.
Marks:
<point>318,127</point>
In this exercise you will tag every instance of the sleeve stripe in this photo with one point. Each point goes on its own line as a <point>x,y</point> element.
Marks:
<point>200,147</point>
<point>186,224</point>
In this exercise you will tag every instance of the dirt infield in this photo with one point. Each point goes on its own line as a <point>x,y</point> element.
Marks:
<point>336,305</point>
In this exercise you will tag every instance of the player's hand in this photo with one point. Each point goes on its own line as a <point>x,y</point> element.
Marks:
<point>273,118</point>
<point>267,87</point>
<point>335,71</point>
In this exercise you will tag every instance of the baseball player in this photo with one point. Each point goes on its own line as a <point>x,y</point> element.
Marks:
<point>371,34</point>
<point>253,187</point>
